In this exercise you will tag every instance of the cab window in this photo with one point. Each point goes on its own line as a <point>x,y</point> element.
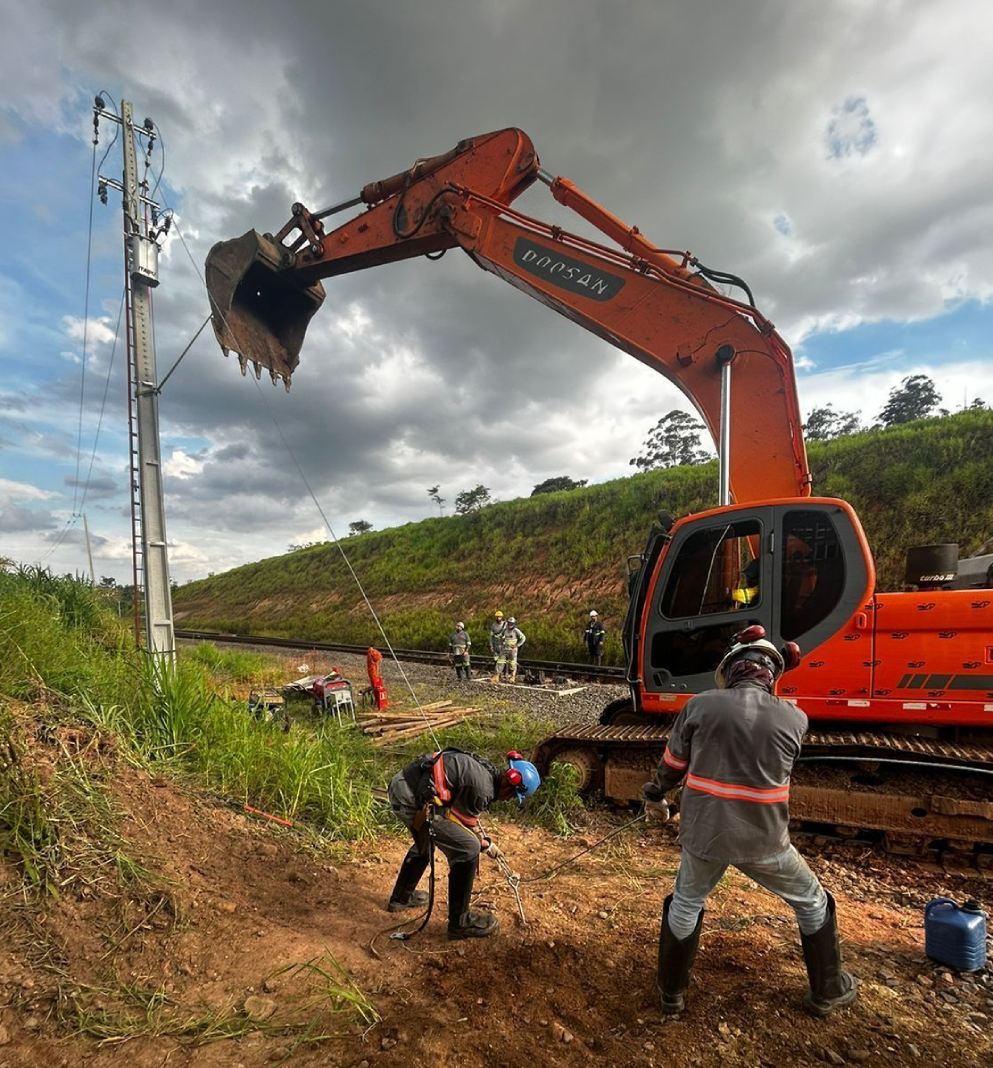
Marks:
<point>813,571</point>
<point>716,570</point>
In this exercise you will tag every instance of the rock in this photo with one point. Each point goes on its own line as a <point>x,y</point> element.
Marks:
<point>924,980</point>
<point>947,977</point>
<point>227,906</point>
<point>559,1033</point>
<point>258,1008</point>
<point>860,1056</point>
<point>913,1050</point>
<point>4,1035</point>
<point>648,1046</point>
<point>270,985</point>
<point>388,1043</point>
<point>833,1056</point>
<point>32,1023</point>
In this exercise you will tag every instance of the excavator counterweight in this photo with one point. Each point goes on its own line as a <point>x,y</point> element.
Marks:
<point>259,310</point>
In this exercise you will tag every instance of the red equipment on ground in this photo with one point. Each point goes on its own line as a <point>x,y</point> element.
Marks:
<point>377,688</point>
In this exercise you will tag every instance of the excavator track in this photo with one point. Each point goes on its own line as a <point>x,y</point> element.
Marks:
<point>913,795</point>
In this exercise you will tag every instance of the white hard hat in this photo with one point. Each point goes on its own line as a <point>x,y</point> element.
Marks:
<point>593,613</point>
<point>761,646</point>
<point>460,626</point>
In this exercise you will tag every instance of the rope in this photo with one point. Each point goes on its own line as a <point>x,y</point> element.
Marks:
<point>86,326</point>
<point>103,403</point>
<point>317,504</point>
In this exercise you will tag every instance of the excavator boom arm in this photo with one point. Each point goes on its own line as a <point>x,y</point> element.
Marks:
<point>638,298</point>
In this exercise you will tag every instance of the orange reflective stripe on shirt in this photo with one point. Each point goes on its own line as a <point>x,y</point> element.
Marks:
<point>674,761</point>
<point>731,791</point>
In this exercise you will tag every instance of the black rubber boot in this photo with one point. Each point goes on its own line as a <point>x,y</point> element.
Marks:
<point>461,922</point>
<point>405,895</point>
<point>830,985</point>
<point>676,956</point>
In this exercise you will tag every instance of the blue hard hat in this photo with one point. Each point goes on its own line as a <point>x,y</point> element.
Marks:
<point>527,779</point>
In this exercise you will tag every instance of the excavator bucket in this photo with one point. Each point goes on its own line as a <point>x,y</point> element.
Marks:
<point>259,309</point>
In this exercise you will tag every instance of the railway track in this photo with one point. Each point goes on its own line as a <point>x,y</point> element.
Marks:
<point>537,670</point>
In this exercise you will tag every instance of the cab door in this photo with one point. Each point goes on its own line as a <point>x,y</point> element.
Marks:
<point>801,568</point>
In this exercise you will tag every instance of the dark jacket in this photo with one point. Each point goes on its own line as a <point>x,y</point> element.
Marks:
<point>736,749</point>
<point>594,635</point>
<point>463,783</point>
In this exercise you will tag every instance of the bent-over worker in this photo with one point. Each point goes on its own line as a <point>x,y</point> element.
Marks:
<point>440,797</point>
<point>735,747</point>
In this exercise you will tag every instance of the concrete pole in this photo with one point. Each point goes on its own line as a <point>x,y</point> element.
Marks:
<point>142,260</point>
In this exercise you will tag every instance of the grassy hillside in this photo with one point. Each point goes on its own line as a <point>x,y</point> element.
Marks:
<point>551,558</point>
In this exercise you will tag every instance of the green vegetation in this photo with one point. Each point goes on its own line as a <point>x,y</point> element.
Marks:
<point>550,558</point>
<point>61,645</point>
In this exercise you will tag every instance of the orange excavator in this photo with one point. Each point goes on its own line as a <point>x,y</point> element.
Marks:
<point>898,686</point>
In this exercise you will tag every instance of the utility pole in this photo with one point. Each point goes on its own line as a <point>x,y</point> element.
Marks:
<point>141,252</point>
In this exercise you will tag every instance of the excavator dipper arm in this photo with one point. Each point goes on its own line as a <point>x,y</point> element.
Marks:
<point>638,298</point>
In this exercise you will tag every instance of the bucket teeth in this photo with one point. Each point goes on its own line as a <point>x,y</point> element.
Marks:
<point>243,364</point>
<point>258,370</point>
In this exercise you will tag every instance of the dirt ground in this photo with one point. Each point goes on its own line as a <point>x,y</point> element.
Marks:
<point>248,898</point>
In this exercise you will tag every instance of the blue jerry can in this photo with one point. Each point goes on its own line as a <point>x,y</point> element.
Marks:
<point>955,935</point>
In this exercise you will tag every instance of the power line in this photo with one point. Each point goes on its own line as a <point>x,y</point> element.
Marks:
<point>86,324</point>
<point>103,403</point>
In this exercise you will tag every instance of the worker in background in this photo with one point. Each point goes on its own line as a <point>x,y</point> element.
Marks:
<point>497,626</point>
<point>735,747</point>
<point>511,641</point>
<point>459,645</point>
<point>594,636</point>
<point>747,591</point>
<point>440,797</point>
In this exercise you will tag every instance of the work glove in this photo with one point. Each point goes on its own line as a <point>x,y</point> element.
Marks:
<point>656,808</point>
<point>493,851</point>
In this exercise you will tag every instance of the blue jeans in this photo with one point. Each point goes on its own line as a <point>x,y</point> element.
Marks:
<point>785,874</point>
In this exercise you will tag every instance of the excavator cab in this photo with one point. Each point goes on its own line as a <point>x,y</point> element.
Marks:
<point>808,572</point>
<point>259,309</point>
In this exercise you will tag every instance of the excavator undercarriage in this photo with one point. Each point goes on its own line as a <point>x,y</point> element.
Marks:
<point>912,794</point>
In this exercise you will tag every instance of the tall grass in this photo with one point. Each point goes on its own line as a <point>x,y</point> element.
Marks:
<point>58,641</point>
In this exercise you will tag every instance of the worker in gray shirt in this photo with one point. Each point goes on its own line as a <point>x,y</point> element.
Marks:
<point>734,749</point>
<point>440,798</point>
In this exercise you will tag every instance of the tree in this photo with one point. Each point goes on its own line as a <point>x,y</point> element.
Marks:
<point>672,442</point>
<point>978,405</point>
<point>360,526</point>
<point>560,482</point>
<point>472,500</point>
<point>915,398</point>
<point>108,582</point>
<point>438,500</point>
<point>825,423</point>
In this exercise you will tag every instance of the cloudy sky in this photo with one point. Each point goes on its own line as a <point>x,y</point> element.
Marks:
<point>838,156</point>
